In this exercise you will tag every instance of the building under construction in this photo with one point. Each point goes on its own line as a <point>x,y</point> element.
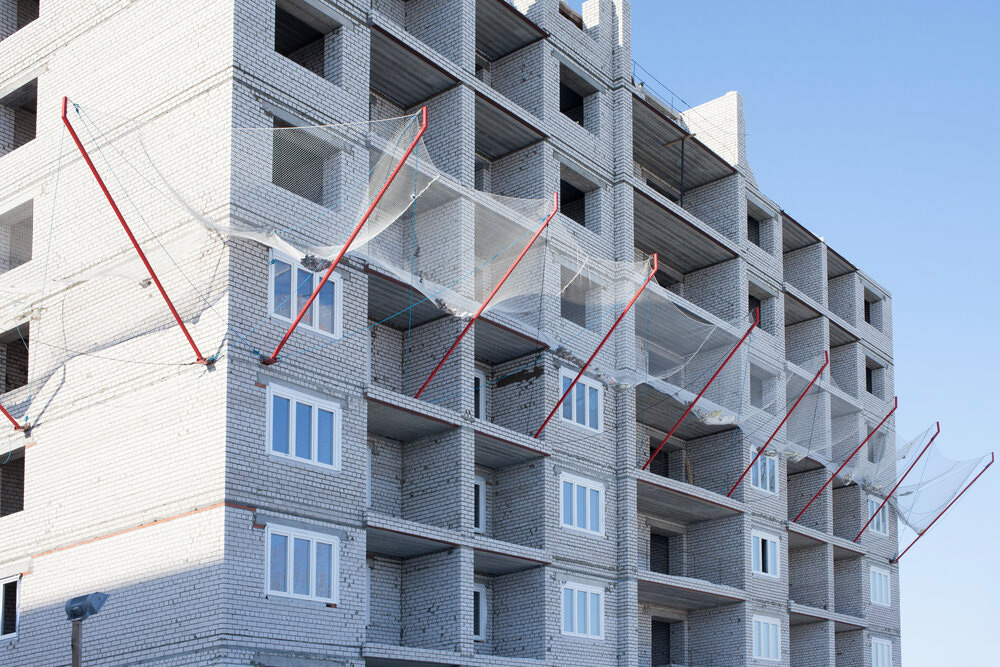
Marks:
<point>425,332</point>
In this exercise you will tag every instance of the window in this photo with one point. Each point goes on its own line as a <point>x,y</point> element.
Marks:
<point>582,610</point>
<point>881,652</point>
<point>766,638</point>
<point>765,553</point>
<point>368,476</point>
<point>753,230</point>
<point>17,123</point>
<point>585,404</point>
<point>578,198</point>
<point>300,34</point>
<point>16,15</point>
<point>880,593</point>
<point>16,235</point>
<point>582,504</point>
<point>9,600</point>
<point>580,297</point>
<point>11,486</point>
<point>575,98</point>
<point>479,613</point>
<point>869,379</point>
<point>303,428</point>
<point>880,524</point>
<point>868,311</point>
<point>479,394</point>
<point>302,564</point>
<point>479,504</point>
<point>15,344</point>
<point>324,315</point>
<point>764,474</point>
<point>368,593</point>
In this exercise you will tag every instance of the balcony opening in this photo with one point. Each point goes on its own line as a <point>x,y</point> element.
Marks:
<point>874,378</point>
<point>753,230</point>
<point>760,299</point>
<point>579,198</point>
<point>577,98</point>
<point>876,444</point>
<point>571,15</point>
<point>15,14</point>
<point>12,486</point>
<point>660,648</point>
<point>14,356</point>
<point>15,236</point>
<point>17,117</point>
<point>580,302</point>
<point>306,36</point>
<point>763,390</point>
<point>306,162</point>
<point>873,309</point>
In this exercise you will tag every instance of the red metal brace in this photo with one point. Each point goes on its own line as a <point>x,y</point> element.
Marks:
<point>17,427</point>
<point>555,208</point>
<point>896,559</point>
<point>135,244</point>
<point>875,513</point>
<point>357,229</point>
<point>867,437</point>
<point>826,362</point>
<point>635,297</point>
<point>756,321</point>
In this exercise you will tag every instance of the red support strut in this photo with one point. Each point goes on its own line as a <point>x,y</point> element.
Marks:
<point>789,414</point>
<point>756,321</point>
<point>121,218</point>
<point>896,559</point>
<point>357,229</point>
<point>555,208</point>
<point>17,427</point>
<point>867,437</point>
<point>635,297</point>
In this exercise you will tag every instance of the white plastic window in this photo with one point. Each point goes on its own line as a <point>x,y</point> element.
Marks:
<point>479,394</point>
<point>582,504</point>
<point>764,474</point>
<point>302,564</point>
<point>765,553</point>
<point>479,613</point>
<point>766,638</point>
<point>479,504</point>
<point>881,652</point>
<point>10,594</point>
<point>880,524</point>
<point>582,610</point>
<point>880,593</point>
<point>585,404</point>
<point>292,285</point>
<point>303,428</point>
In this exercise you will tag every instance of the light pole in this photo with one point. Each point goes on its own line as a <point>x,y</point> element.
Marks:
<point>78,610</point>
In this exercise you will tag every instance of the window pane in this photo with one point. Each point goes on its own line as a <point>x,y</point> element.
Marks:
<point>279,424</point>
<point>300,566</point>
<point>581,612</point>
<point>756,554</point>
<point>772,557</point>
<point>324,437</point>
<point>477,627</point>
<point>304,282</point>
<point>282,289</point>
<point>595,614</point>
<point>567,610</point>
<point>593,407</point>
<point>303,431</point>
<point>773,645</point>
<point>756,639</point>
<point>595,510</point>
<point>581,507</point>
<point>279,564</point>
<point>581,403</point>
<point>9,605</point>
<point>567,499</point>
<point>567,408</point>
<point>324,570</point>
<point>771,478</point>
<point>477,506</point>
<point>325,317</point>
<point>476,390</point>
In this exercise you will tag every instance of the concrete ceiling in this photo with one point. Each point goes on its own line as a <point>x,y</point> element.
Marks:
<point>495,452</point>
<point>668,499</point>
<point>496,343</point>
<point>501,29</point>
<point>401,424</point>
<point>498,132</point>
<point>676,592</point>
<point>403,75</point>
<point>680,245</point>
<point>394,304</point>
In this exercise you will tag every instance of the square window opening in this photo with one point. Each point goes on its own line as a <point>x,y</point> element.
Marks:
<point>579,198</point>
<point>302,564</point>
<point>765,548</point>
<point>582,610</point>
<point>758,298</point>
<point>874,378</point>
<point>291,285</point>
<point>16,226</point>
<point>577,98</point>
<point>303,428</point>
<point>12,486</point>
<point>18,112</point>
<point>873,309</point>
<point>10,598</point>
<point>307,37</point>
<point>582,504</point>
<point>14,348</point>
<point>584,406</point>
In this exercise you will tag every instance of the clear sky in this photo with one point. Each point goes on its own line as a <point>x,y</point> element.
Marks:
<point>877,126</point>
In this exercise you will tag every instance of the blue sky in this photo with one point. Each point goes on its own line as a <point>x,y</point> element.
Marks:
<point>876,126</point>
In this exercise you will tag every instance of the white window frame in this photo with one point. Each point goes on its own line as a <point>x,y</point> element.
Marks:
<point>483,611</point>
<point>297,533</point>
<point>589,590</point>
<point>886,650</point>
<point>760,535</point>
<point>758,650</point>
<point>758,474</point>
<point>338,297</point>
<point>368,593</point>
<point>16,579</point>
<point>874,574</point>
<point>480,404</point>
<point>294,396</point>
<point>585,384</point>
<point>479,488</point>
<point>880,522</point>
<point>590,485</point>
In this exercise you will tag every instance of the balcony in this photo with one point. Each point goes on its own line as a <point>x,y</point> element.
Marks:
<point>684,592</point>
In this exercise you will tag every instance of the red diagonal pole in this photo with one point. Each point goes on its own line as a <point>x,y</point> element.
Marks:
<point>875,513</point>
<point>357,229</point>
<point>131,237</point>
<point>656,267</point>
<point>827,483</point>
<point>545,223</point>
<point>756,321</point>
<point>17,427</point>
<point>789,414</point>
<point>896,559</point>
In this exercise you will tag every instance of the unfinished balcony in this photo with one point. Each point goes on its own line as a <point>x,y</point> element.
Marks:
<point>18,111</point>
<point>510,54</point>
<point>401,78</point>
